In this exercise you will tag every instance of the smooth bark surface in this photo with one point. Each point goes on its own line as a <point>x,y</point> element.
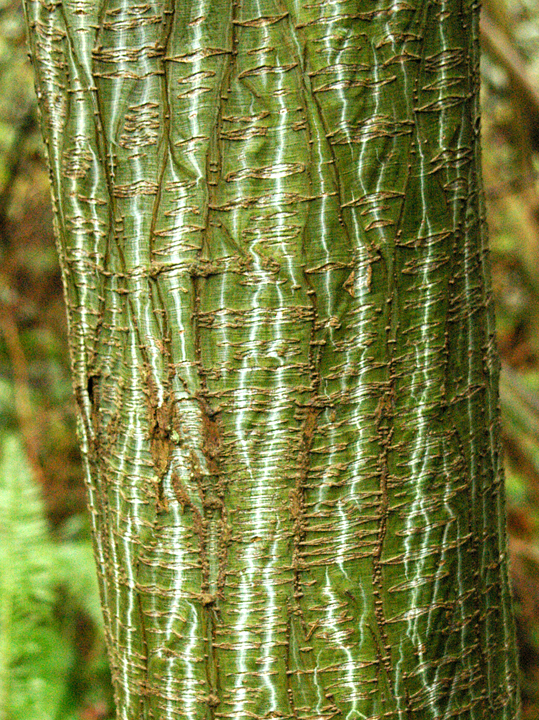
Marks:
<point>269,218</point>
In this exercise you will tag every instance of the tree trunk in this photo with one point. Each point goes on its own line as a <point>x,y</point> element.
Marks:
<point>270,225</point>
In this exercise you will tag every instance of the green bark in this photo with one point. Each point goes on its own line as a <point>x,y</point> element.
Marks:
<point>269,219</point>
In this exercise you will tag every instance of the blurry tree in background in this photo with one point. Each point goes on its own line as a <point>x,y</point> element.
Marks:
<point>35,393</point>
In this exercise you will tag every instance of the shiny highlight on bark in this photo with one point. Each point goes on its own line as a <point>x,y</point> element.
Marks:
<point>269,219</point>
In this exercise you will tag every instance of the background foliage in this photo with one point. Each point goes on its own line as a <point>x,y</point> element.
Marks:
<point>52,660</point>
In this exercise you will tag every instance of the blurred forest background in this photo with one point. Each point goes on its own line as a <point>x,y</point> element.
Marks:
<point>52,657</point>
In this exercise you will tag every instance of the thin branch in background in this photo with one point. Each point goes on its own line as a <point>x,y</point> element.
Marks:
<point>23,404</point>
<point>496,42</point>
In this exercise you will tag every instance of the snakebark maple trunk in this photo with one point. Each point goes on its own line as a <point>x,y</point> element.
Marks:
<point>269,219</point>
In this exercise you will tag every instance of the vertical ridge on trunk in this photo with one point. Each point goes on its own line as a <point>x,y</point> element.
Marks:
<point>269,219</point>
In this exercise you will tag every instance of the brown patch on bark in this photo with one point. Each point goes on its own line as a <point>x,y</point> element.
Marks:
<point>160,427</point>
<point>212,441</point>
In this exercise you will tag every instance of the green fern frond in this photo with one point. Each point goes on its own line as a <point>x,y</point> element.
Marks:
<point>74,569</point>
<point>34,657</point>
